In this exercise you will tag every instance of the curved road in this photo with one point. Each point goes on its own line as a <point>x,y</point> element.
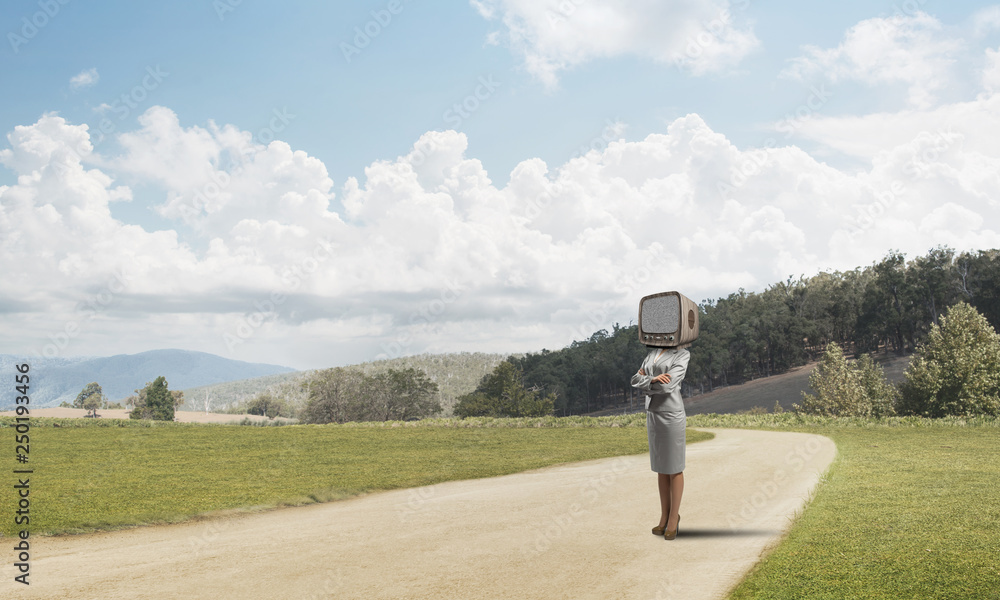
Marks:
<point>573,531</point>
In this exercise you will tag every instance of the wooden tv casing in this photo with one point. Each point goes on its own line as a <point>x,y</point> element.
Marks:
<point>687,329</point>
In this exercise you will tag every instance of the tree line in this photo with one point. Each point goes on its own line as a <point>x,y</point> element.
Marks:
<point>889,306</point>
<point>340,395</point>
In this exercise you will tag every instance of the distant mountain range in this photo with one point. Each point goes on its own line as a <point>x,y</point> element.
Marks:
<point>57,380</point>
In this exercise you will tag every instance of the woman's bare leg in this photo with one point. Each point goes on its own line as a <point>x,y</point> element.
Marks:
<point>663,482</point>
<point>676,489</point>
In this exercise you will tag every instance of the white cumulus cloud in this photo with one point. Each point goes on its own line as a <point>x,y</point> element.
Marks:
<point>986,20</point>
<point>916,51</point>
<point>991,71</point>
<point>551,36</point>
<point>84,79</point>
<point>424,252</point>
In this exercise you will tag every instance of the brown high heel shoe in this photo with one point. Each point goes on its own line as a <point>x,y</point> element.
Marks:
<point>669,535</point>
<point>661,530</point>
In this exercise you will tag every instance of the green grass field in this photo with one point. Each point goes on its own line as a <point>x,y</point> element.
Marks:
<point>98,477</point>
<point>909,509</point>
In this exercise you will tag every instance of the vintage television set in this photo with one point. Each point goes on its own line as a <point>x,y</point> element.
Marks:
<point>668,319</point>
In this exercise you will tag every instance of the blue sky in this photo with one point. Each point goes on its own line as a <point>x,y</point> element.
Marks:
<point>497,175</point>
<point>236,64</point>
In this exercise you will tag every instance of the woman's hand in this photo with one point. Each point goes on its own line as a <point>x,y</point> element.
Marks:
<point>665,378</point>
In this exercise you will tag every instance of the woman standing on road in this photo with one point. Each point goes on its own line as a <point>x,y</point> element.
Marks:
<point>660,377</point>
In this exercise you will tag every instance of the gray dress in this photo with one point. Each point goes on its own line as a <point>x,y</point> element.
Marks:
<point>665,417</point>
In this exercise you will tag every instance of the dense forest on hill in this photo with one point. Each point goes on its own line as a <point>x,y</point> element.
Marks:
<point>887,307</point>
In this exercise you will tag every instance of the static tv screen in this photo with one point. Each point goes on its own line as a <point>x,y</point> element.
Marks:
<point>667,319</point>
<point>661,314</point>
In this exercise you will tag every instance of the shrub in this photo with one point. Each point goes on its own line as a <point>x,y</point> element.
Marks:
<point>502,394</point>
<point>843,389</point>
<point>155,401</point>
<point>266,404</point>
<point>956,370</point>
<point>882,395</point>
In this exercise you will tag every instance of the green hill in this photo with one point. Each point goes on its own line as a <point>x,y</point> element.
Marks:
<point>454,373</point>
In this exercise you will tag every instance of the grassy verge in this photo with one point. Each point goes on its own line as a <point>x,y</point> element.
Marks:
<point>909,509</point>
<point>98,476</point>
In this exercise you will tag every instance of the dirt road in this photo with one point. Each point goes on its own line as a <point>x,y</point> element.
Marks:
<point>573,531</point>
